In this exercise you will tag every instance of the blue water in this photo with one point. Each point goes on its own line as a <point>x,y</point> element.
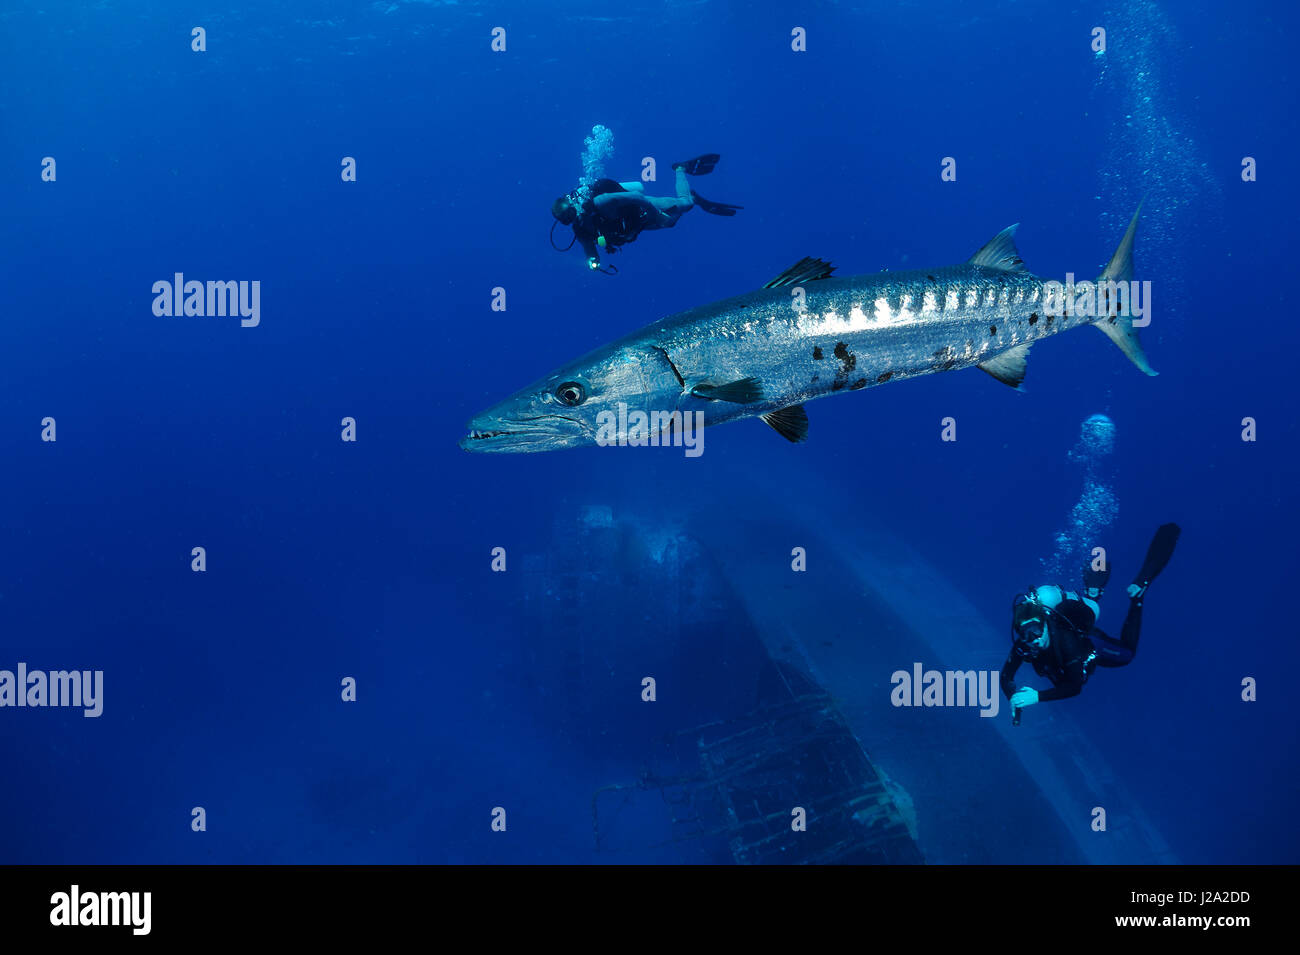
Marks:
<point>371,559</point>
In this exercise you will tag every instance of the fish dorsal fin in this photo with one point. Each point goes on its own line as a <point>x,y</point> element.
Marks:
<point>1009,367</point>
<point>807,269</point>
<point>790,423</point>
<point>1000,252</point>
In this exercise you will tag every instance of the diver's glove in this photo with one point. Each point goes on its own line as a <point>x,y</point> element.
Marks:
<point>1025,696</point>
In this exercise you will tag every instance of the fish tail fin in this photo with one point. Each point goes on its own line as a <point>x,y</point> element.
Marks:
<point>1119,327</point>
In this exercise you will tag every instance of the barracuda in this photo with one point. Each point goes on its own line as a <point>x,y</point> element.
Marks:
<point>767,353</point>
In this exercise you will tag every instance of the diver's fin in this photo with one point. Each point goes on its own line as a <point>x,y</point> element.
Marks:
<point>1096,579</point>
<point>1119,328</point>
<point>807,269</point>
<point>1009,367</point>
<point>790,423</point>
<point>1158,554</point>
<point>714,208</point>
<point>1000,252</point>
<point>742,392</point>
<point>699,166</point>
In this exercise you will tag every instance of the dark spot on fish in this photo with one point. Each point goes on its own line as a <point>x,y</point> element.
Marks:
<point>843,354</point>
<point>1033,318</point>
<point>939,353</point>
<point>932,278</point>
<point>947,366</point>
<point>993,329</point>
<point>1050,318</point>
<point>884,378</point>
<point>816,377</point>
<point>837,385</point>
<point>817,352</point>
<point>860,383</point>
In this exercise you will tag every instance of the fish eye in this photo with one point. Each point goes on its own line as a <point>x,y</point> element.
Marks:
<point>571,393</point>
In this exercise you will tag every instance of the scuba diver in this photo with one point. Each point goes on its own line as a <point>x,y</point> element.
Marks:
<point>1055,630</point>
<point>608,214</point>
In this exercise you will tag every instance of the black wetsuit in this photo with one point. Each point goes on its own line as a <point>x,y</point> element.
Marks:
<point>1076,646</point>
<point>617,229</point>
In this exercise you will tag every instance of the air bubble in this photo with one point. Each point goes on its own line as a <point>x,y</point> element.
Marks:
<point>597,147</point>
<point>1097,506</point>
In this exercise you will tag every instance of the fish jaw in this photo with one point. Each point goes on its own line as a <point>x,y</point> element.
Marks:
<point>500,433</point>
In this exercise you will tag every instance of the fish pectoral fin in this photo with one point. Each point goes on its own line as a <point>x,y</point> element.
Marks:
<point>1000,252</point>
<point>1009,367</point>
<point>790,423</point>
<point>807,269</point>
<point>743,392</point>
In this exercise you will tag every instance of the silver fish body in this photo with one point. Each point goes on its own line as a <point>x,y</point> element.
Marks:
<point>854,333</point>
<point>768,352</point>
